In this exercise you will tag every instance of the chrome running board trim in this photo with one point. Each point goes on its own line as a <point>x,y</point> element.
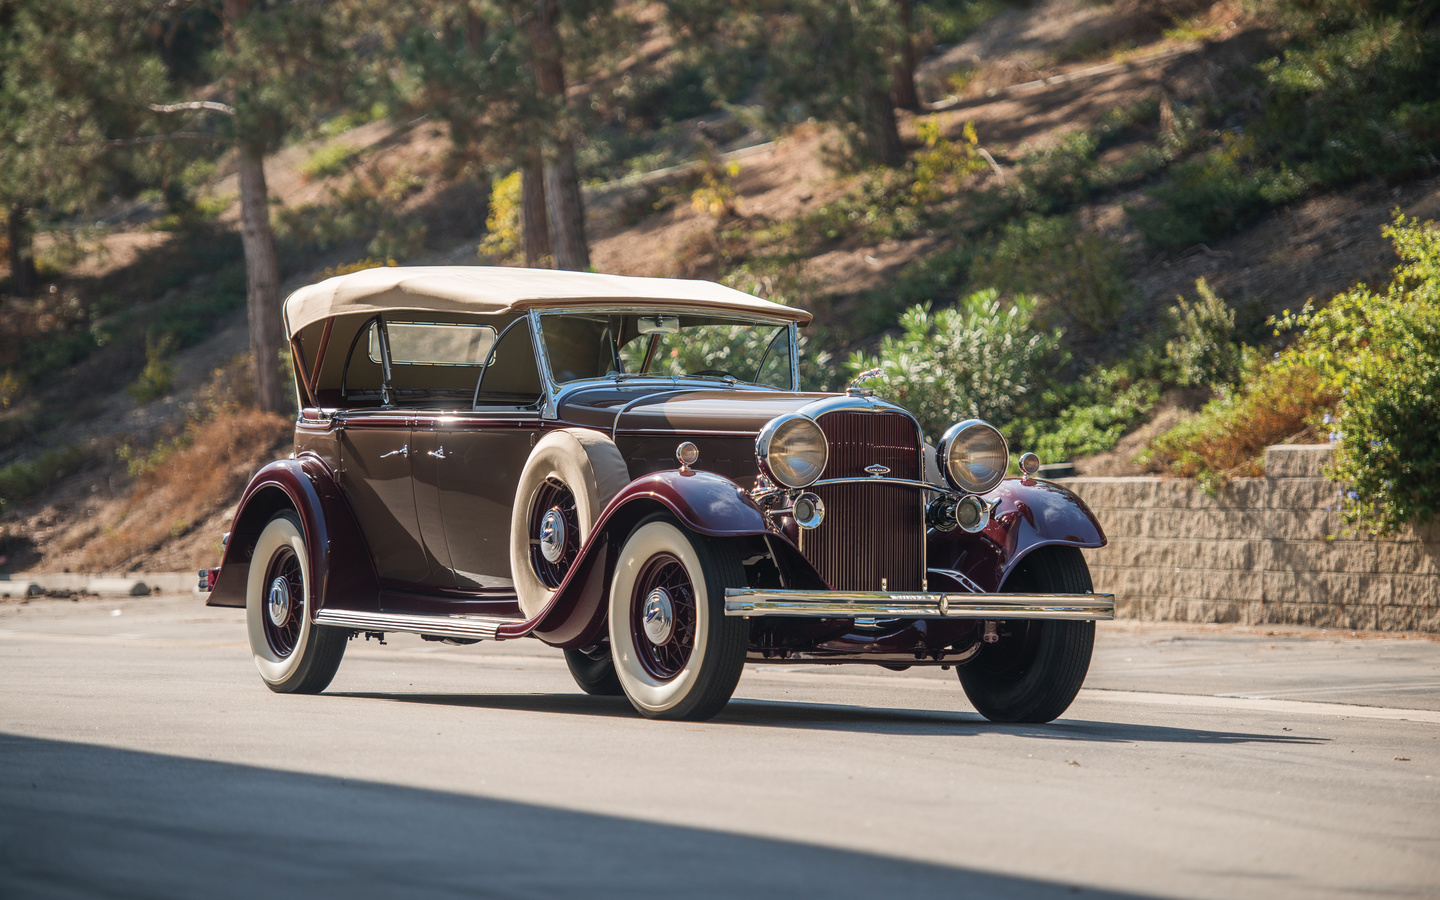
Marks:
<point>916,605</point>
<point>475,628</point>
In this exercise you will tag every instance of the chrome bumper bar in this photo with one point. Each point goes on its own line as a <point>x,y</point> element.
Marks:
<point>887,605</point>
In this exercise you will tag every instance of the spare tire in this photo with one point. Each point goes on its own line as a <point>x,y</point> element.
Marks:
<point>571,475</point>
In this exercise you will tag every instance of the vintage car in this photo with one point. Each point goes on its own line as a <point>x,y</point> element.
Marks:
<point>626,469</point>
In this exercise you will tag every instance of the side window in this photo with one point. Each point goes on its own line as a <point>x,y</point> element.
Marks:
<point>510,377</point>
<point>434,344</point>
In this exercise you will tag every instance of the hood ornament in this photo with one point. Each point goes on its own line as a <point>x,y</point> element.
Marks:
<point>855,390</point>
<point>877,470</point>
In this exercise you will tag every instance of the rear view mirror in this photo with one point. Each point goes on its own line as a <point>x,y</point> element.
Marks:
<point>658,324</point>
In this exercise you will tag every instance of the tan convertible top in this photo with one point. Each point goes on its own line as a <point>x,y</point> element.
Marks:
<point>489,289</point>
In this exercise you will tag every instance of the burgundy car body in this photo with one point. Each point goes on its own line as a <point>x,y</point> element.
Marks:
<point>375,555</point>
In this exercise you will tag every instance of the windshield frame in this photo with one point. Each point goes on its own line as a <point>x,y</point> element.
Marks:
<point>554,389</point>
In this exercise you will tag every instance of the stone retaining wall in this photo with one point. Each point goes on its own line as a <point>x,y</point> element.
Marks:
<point>1261,552</point>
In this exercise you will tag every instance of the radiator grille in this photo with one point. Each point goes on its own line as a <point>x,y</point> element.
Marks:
<point>871,532</point>
<point>858,440</point>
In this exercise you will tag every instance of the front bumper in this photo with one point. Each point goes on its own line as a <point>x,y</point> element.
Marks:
<point>750,602</point>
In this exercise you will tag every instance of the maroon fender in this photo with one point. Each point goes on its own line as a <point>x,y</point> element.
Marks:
<point>705,503</point>
<point>340,567</point>
<point>1030,514</point>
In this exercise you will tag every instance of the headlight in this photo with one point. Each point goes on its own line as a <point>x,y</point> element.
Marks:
<point>792,450</point>
<point>974,456</point>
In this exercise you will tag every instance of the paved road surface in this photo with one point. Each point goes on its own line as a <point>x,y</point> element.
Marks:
<point>140,756</point>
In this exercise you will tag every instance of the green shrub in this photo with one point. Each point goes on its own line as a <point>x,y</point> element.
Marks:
<point>1358,102</point>
<point>1055,177</point>
<point>158,376</point>
<point>1366,372</point>
<point>24,479</point>
<point>1215,195</point>
<point>1080,273</point>
<point>1379,353</point>
<point>972,361</point>
<point>952,21</point>
<point>1092,416</point>
<point>332,159</point>
<point>1203,352</point>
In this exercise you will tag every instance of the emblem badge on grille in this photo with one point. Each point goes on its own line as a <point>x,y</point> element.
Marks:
<point>877,470</point>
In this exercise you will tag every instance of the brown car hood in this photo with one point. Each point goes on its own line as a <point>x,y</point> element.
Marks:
<point>681,410</point>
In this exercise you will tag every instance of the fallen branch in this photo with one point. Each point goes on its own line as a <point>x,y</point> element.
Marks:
<point>192,105</point>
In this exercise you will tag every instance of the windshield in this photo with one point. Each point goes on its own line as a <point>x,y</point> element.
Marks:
<point>582,345</point>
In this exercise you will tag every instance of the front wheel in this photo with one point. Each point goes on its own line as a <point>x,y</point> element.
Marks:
<point>1034,671</point>
<point>676,653</point>
<point>294,655</point>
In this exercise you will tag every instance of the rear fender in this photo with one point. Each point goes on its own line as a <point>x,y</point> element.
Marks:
<point>1030,514</point>
<point>341,571</point>
<point>703,502</point>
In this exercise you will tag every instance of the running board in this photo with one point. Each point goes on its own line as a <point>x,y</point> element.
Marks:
<point>473,628</point>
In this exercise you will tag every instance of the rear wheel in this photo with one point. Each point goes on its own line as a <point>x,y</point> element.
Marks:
<point>594,670</point>
<point>294,655</point>
<point>1034,671</point>
<point>676,653</point>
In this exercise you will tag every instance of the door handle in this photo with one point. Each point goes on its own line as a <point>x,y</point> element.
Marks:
<point>403,451</point>
<point>438,453</point>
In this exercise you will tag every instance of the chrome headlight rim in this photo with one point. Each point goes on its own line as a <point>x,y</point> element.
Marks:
<point>764,443</point>
<point>948,441</point>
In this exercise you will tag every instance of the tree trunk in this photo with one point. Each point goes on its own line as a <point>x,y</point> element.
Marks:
<point>564,204</point>
<point>902,70</point>
<point>533,219</point>
<point>882,134</point>
<point>262,283</point>
<point>566,208</point>
<point>24,280</point>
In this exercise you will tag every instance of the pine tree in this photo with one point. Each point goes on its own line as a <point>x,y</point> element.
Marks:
<point>279,66</point>
<point>72,74</point>
<point>836,60</point>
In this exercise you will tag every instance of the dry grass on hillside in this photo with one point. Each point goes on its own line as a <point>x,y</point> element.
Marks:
<point>189,485</point>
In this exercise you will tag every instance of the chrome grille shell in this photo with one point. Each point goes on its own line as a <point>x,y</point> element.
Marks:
<point>873,536</point>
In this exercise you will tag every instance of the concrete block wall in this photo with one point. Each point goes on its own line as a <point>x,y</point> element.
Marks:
<point>1265,551</point>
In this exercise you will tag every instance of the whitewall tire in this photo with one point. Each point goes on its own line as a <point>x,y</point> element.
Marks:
<point>676,653</point>
<point>294,655</point>
<point>569,478</point>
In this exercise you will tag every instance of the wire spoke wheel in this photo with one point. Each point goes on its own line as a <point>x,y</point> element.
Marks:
<point>662,617</point>
<point>675,652</point>
<point>285,602</point>
<point>294,655</point>
<point>554,532</point>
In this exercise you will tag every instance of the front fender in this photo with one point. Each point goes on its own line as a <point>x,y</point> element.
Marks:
<point>341,570</point>
<point>1029,514</point>
<point>704,502</point>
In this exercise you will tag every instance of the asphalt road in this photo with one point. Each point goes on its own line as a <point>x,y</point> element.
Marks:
<point>140,756</point>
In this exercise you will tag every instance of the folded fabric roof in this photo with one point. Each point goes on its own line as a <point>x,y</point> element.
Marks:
<point>492,289</point>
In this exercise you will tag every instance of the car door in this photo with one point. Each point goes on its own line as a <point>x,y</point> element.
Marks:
<point>484,453</point>
<point>376,476</point>
<point>483,459</point>
<point>427,456</point>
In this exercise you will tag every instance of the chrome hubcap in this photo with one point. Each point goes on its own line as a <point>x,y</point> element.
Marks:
<point>659,619</point>
<point>279,602</point>
<point>552,535</point>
